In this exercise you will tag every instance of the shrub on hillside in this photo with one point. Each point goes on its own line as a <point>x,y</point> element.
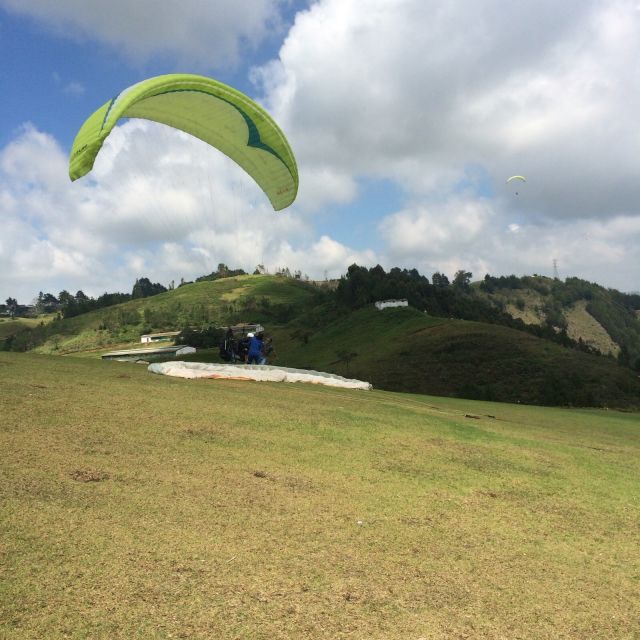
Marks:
<point>201,338</point>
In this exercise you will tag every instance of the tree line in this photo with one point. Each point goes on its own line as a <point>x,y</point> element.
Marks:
<point>69,305</point>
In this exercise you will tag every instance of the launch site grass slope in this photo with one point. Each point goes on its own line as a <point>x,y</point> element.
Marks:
<point>139,506</point>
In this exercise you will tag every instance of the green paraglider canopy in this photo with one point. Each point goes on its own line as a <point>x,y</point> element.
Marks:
<point>207,109</point>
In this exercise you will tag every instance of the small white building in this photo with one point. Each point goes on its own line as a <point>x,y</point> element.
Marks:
<point>167,336</point>
<point>385,304</point>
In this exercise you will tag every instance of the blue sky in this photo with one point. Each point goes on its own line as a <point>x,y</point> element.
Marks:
<point>406,120</point>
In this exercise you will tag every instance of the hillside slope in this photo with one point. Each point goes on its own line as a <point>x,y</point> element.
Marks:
<point>240,298</point>
<point>397,349</point>
<point>604,319</point>
<point>405,350</point>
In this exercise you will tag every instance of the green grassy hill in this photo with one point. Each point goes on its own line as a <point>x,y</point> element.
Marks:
<point>397,349</point>
<point>9,326</point>
<point>141,506</point>
<point>405,350</point>
<point>241,298</point>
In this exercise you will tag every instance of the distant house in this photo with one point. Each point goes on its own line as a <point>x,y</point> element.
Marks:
<point>385,304</point>
<point>159,337</point>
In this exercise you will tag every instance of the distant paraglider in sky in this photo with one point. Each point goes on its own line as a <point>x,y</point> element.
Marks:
<point>516,179</point>
<point>219,115</point>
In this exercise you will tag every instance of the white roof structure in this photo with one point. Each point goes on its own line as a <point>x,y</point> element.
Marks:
<point>156,337</point>
<point>385,304</point>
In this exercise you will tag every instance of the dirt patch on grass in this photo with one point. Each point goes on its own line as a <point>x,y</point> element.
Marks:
<point>83,475</point>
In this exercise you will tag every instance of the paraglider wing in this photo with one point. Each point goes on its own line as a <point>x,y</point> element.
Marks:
<point>516,178</point>
<point>258,372</point>
<point>207,109</point>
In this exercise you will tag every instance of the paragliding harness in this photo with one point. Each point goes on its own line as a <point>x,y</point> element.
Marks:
<point>232,350</point>
<point>228,350</point>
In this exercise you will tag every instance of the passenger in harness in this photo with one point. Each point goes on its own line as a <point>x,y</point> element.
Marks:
<point>229,347</point>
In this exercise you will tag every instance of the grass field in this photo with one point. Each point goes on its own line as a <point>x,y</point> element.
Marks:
<point>138,506</point>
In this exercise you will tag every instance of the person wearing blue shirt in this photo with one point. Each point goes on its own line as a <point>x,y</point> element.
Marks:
<point>256,349</point>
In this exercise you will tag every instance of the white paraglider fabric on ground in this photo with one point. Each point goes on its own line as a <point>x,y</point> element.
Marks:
<point>261,373</point>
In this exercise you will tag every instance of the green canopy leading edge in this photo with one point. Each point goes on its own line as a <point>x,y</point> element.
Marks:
<point>207,109</point>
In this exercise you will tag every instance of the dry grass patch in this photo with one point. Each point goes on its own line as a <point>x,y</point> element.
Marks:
<point>525,304</point>
<point>582,325</point>
<point>82,475</point>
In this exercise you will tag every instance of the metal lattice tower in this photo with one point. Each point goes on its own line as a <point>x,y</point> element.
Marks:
<point>555,270</point>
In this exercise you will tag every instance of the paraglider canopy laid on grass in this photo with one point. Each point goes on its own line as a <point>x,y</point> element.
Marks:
<point>260,373</point>
<point>207,109</point>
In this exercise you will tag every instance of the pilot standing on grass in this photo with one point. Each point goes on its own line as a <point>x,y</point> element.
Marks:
<point>256,349</point>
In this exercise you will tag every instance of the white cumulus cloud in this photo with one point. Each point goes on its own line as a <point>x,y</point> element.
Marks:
<point>210,34</point>
<point>418,92</point>
<point>440,99</point>
<point>158,203</point>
